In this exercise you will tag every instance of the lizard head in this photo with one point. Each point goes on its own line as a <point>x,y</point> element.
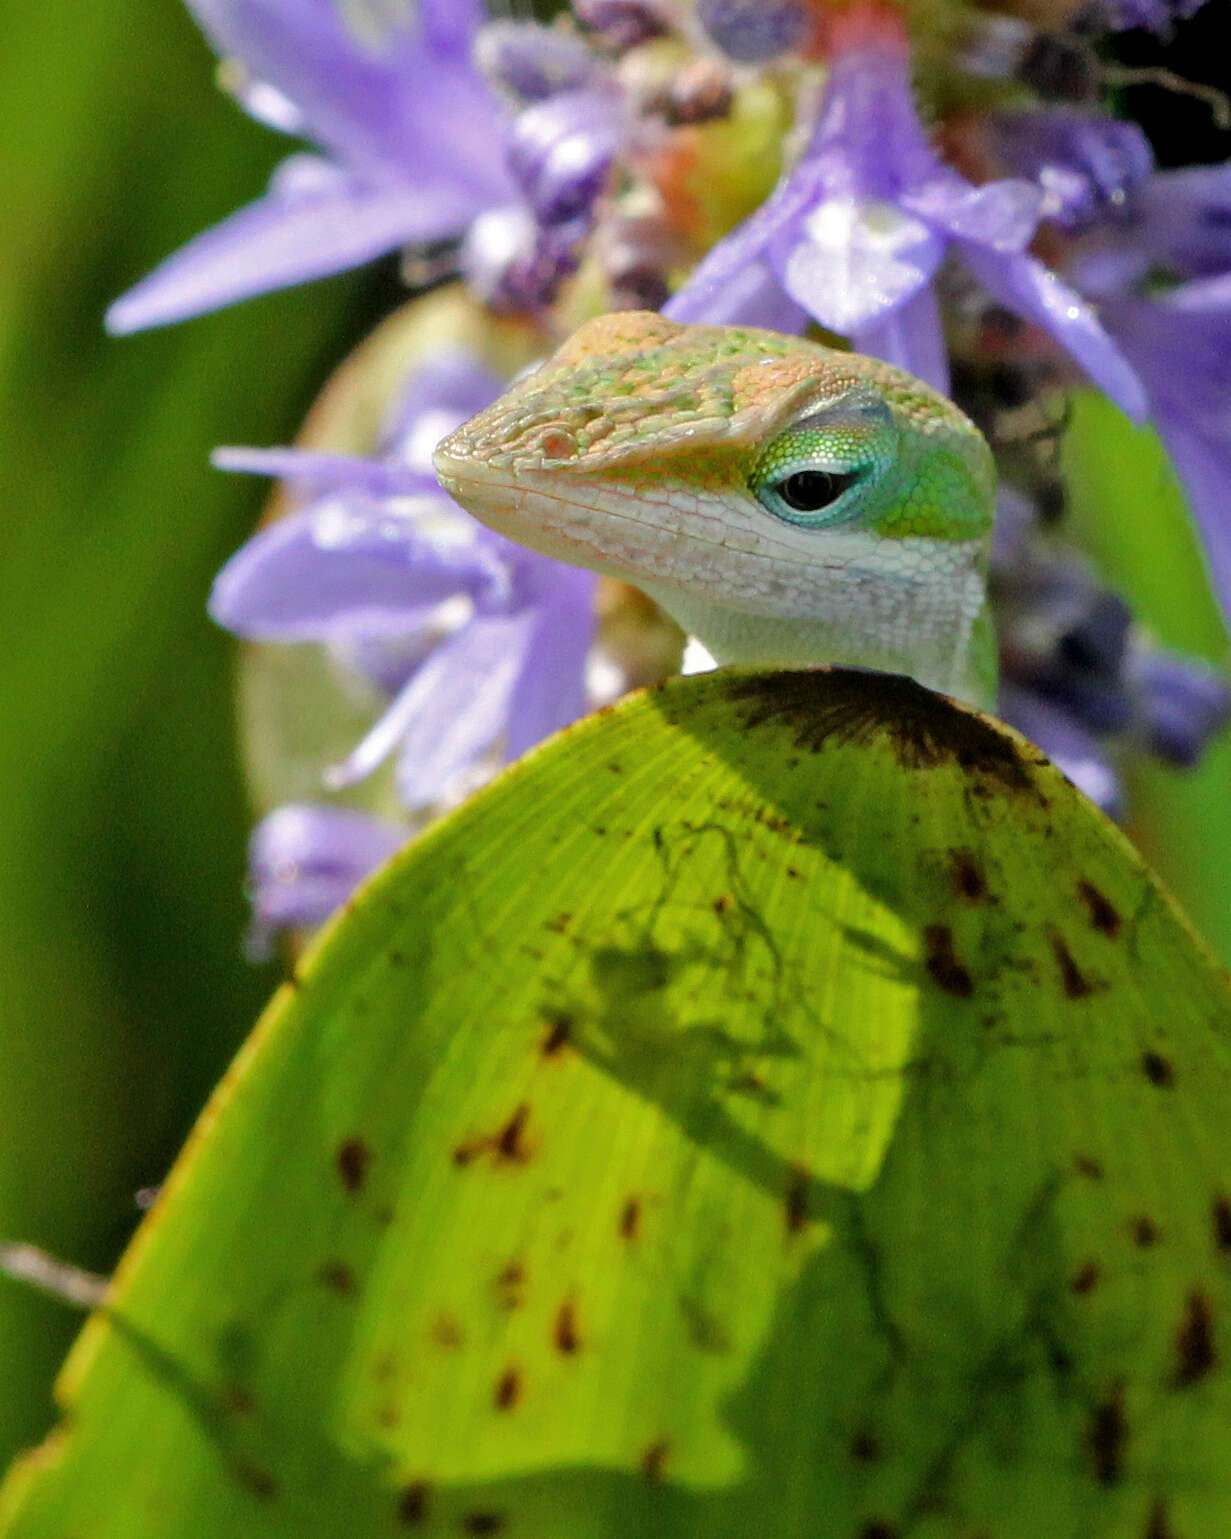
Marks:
<point>786,502</point>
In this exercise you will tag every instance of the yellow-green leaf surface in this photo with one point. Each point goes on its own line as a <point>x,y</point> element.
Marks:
<point>780,1106</point>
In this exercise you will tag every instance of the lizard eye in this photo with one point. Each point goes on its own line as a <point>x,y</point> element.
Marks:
<point>808,491</point>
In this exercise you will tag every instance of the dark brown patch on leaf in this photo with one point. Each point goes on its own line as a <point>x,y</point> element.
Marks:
<point>923,729</point>
<point>968,879</point>
<point>559,923</point>
<point>796,1202</point>
<point>1072,980</point>
<point>508,1390</point>
<point>506,1145</point>
<point>446,1332</point>
<point>942,962</point>
<point>1145,1231</point>
<point>413,1503</point>
<point>654,1460</point>
<point>559,1030</point>
<point>1194,1342</point>
<point>511,1285</point>
<point>237,1400</point>
<point>1107,1437</point>
<point>1086,1280</point>
<point>1086,1165</point>
<point>337,1276</point>
<point>864,1448</point>
<point>1222,1223</point>
<point>1157,1070</point>
<point>723,904</point>
<point>1159,1526</point>
<point>1103,915</point>
<point>878,1529</point>
<point>397,958</point>
<point>353,1158</point>
<point>483,1523</point>
<point>564,1333</point>
<point>255,1479</point>
<point>630,1219</point>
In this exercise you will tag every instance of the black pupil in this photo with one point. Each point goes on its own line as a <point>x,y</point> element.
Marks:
<point>808,491</point>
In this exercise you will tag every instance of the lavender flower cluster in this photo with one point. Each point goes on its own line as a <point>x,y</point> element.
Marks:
<point>625,156</point>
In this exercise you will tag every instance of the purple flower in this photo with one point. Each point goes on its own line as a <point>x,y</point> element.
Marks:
<point>1175,224</point>
<point>752,31</point>
<point>1156,15</point>
<point>415,148</point>
<point>482,644</point>
<point>1180,344</point>
<point>854,233</point>
<point>304,860</point>
<point>409,135</point>
<point>1087,166</point>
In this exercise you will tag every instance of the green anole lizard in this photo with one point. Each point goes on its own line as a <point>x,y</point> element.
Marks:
<point>785,503</point>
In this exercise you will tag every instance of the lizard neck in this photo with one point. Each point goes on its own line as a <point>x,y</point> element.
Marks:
<point>938,633</point>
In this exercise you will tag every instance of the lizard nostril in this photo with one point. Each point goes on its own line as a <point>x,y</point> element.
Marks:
<point>556,444</point>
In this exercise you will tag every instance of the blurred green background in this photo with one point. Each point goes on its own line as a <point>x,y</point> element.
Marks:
<point>123,986</point>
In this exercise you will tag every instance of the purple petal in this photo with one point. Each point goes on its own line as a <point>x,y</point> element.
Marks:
<point>377,95</point>
<point>1002,215</point>
<point>355,564</point>
<point>290,235</point>
<point>450,713</point>
<point>912,337</point>
<point>1071,749</point>
<point>750,297</point>
<point>851,260</point>
<point>305,860</point>
<point>562,149</point>
<point>1024,285</point>
<point>327,472</point>
<point>704,296</point>
<point>551,692</point>
<point>463,695</point>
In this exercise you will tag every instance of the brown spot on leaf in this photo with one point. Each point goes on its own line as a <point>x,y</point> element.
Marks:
<point>723,904</point>
<point>1072,980</point>
<point>878,1529</point>
<point>564,1333</point>
<point>559,1030</point>
<point>337,1276</point>
<point>508,1390</point>
<point>255,1479</point>
<point>506,1145</point>
<point>942,962</point>
<point>795,1205</point>
<point>1086,1165</point>
<point>511,1286</point>
<point>968,879</point>
<point>1157,1070</point>
<point>413,1503</point>
<point>1222,1223</point>
<point>559,923</point>
<point>353,1158</point>
<point>483,1523</point>
<point>1107,1437</point>
<point>509,1143</point>
<point>237,1400</point>
<point>654,1460</point>
<point>1086,1280</point>
<point>1159,1526</point>
<point>924,730</point>
<point>1103,915</point>
<point>1194,1342</point>
<point>864,1448</point>
<point>1145,1231</point>
<point>630,1219</point>
<point>446,1332</point>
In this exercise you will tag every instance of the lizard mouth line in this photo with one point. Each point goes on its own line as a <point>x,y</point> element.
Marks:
<point>501,504</point>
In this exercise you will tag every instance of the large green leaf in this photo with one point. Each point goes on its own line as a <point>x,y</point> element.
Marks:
<point>781,1105</point>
